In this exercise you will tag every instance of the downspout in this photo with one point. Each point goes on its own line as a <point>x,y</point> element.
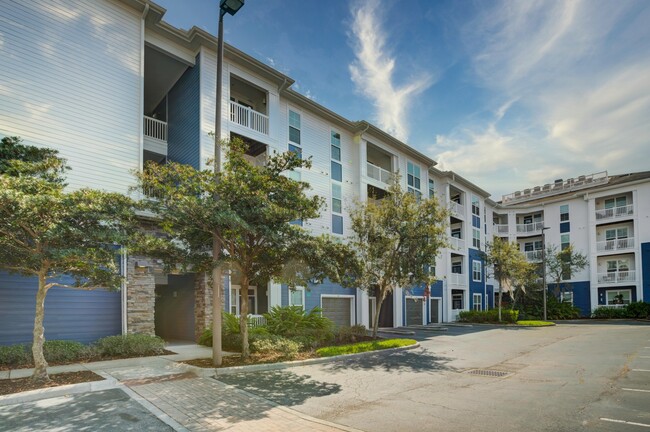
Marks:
<point>123,288</point>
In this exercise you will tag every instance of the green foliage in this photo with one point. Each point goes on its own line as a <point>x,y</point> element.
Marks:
<point>555,309</point>
<point>632,310</point>
<point>489,316</point>
<point>535,323</point>
<point>130,345</point>
<point>230,335</point>
<point>230,323</point>
<point>64,351</point>
<point>638,310</point>
<point>277,344</point>
<point>17,159</point>
<point>15,356</point>
<point>350,334</point>
<point>293,321</point>
<point>364,347</point>
<point>562,264</point>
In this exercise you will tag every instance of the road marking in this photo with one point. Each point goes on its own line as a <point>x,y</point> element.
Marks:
<point>636,390</point>
<point>625,422</point>
<point>641,370</point>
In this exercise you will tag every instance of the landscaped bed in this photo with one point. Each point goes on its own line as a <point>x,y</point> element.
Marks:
<point>9,386</point>
<point>533,323</point>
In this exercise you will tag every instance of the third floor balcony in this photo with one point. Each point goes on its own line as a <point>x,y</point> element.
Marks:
<point>249,118</point>
<point>532,228</point>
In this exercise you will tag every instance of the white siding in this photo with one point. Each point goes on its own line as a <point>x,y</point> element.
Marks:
<point>70,80</point>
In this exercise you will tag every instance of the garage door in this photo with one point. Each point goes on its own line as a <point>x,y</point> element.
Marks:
<point>338,309</point>
<point>414,311</point>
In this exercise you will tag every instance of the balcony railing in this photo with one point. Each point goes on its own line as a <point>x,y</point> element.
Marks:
<point>255,320</point>
<point>457,243</point>
<point>458,279</point>
<point>154,128</point>
<point>615,245</point>
<point>535,255</point>
<point>617,277</point>
<point>501,228</point>
<point>248,117</point>
<point>379,174</point>
<point>456,208</point>
<point>615,212</point>
<point>530,228</point>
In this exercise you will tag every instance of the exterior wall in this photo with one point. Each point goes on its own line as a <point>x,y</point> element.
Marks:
<point>582,297</point>
<point>476,287</point>
<point>140,296</point>
<point>71,80</point>
<point>184,118</point>
<point>645,266</point>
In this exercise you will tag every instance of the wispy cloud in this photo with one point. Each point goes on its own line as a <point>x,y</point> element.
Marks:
<point>373,71</point>
<point>580,77</point>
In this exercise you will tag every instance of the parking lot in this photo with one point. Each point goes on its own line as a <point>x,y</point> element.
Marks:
<point>575,376</point>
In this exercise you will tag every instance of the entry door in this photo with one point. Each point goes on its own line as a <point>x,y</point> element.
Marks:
<point>414,311</point>
<point>433,310</point>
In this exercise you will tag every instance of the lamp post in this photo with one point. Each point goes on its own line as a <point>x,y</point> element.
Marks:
<point>231,7</point>
<point>544,267</point>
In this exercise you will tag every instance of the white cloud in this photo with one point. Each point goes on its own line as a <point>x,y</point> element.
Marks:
<point>373,71</point>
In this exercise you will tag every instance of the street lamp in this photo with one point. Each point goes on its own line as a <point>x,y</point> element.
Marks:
<point>544,267</point>
<point>231,7</point>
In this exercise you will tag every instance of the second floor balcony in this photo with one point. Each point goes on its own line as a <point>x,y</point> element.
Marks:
<point>501,229</point>
<point>614,212</point>
<point>249,118</point>
<point>617,277</point>
<point>623,244</point>
<point>457,279</point>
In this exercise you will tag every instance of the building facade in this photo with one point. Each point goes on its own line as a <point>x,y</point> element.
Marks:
<point>111,85</point>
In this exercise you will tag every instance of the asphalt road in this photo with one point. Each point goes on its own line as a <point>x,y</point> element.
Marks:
<point>572,377</point>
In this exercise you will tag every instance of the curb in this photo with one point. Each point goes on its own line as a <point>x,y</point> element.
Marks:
<point>34,395</point>
<point>212,372</point>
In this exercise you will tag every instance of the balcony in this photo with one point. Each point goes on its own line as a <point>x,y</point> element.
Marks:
<point>155,135</point>
<point>533,256</point>
<point>617,277</point>
<point>501,229</point>
<point>457,209</point>
<point>249,118</point>
<point>379,174</point>
<point>614,212</point>
<point>457,279</point>
<point>615,245</point>
<point>457,243</point>
<point>530,228</point>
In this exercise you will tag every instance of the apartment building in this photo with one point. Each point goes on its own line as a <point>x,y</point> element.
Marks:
<point>111,85</point>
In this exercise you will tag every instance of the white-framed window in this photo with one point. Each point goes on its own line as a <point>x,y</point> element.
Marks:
<point>564,213</point>
<point>457,267</point>
<point>297,297</point>
<point>621,265</point>
<point>456,232</point>
<point>616,233</point>
<point>476,208</point>
<point>294,127</point>
<point>565,241</point>
<point>476,238</point>
<point>235,300</point>
<point>477,271</point>
<point>336,181</point>
<point>335,141</point>
<point>476,303</point>
<point>432,188</point>
<point>456,299</point>
<point>618,297</point>
<point>413,178</point>
<point>616,202</point>
<point>566,297</point>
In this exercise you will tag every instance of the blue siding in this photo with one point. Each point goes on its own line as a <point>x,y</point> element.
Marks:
<point>582,297</point>
<point>476,287</point>
<point>70,314</point>
<point>645,270</point>
<point>490,293</point>
<point>314,291</point>
<point>184,118</point>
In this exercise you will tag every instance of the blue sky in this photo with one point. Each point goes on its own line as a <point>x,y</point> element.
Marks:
<point>510,94</point>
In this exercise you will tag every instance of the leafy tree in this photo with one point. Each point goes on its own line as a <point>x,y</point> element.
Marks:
<point>562,264</point>
<point>508,265</point>
<point>50,233</point>
<point>396,240</point>
<point>250,219</point>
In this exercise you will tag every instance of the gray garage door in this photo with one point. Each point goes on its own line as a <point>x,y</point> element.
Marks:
<point>413,311</point>
<point>338,309</point>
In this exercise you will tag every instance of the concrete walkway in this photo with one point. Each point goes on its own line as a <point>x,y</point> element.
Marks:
<point>174,393</point>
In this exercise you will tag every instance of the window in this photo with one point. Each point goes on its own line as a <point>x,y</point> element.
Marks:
<point>565,241</point>
<point>565,227</point>
<point>235,300</point>
<point>337,224</point>
<point>335,141</point>
<point>616,233</point>
<point>294,175</point>
<point>413,178</point>
<point>476,271</point>
<point>533,246</point>
<point>476,238</point>
<point>432,188</point>
<point>456,299</point>
<point>336,198</point>
<point>616,202</point>
<point>337,171</point>
<point>294,127</point>
<point>564,213</point>
<point>476,303</point>
<point>295,149</point>
<point>457,267</point>
<point>566,297</point>
<point>297,297</point>
<point>476,210</point>
<point>619,297</point>
<point>455,232</point>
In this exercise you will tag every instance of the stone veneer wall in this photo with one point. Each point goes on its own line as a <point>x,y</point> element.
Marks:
<point>202,304</point>
<point>140,296</point>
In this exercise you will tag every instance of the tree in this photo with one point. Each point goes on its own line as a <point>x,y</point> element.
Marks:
<point>50,233</point>
<point>562,264</point>
<point>251,219</point>
<point>396,240</point>
<point>509,266</point>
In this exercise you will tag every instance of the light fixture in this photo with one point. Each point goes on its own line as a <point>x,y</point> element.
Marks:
<point>230,6</point>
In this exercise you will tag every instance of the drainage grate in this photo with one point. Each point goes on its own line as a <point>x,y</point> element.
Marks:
<point>489,373</point>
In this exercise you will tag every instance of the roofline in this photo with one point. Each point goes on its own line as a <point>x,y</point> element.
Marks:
<point>462,180</point>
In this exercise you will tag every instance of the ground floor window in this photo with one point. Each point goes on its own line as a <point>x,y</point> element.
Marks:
<point>235,300</point>
<point>566,297</point>
<point>619,297</point>
<point>456,299</point>
<point>476,304</point>
<point>297,297</point>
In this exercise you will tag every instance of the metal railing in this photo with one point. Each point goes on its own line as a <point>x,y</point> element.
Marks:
<point>616,277</point>
<point>379,173</point>
<point>154,128</point>
<point>530,228</point>
<point>615,212</point>
<point>615,244</point>
<point>456,208</point>
<point>535,255</point>
<point>457,279</point>
<point>248,117</point>
<point>501,229</point>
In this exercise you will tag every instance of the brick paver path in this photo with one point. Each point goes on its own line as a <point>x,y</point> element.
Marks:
<point>204,404</point>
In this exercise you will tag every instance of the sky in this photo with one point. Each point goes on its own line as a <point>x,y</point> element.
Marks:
<point>508,94</point>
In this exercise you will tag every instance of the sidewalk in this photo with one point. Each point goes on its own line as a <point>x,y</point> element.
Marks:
<point>173,393</point>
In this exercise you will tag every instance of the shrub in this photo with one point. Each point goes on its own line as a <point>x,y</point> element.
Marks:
<point>232,341</point>
<point>605,312</point>
<point>131,345</point>
<point>638,310</point>
<point>64,351</point>
<point>276,344</point>
<point>491,316</point>
<point>15,355</point>
<point>350,334</point>
<point>293,321</point>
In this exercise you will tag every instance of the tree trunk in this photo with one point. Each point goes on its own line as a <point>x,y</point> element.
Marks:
<point>243,317</point>
<point>40,364</point>
<point>500,295</point>
<point>217,306</point>
<point>381,295</point>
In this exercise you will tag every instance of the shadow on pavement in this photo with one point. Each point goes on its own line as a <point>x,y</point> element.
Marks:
<point>415,360</point>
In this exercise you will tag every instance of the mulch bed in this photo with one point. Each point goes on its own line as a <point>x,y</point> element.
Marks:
<point>4,367</point>
<point>255,358</point>
<point>8,386</point>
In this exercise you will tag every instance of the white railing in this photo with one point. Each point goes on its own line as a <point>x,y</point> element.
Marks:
<point>617,277</point>
<point>255,320</point>
<point>457,243</point>
<point>615,245</point>
<point>458,279</point>
<point>154,128</point>
<point>456,208</point>
<point>379,173</point>
<point>149,193</point>
<point>535,255</point>
<point>530,228</point>
<point>615,212</point>
<point>613,305</point>
<point>247,117</point>
<point>501,228</point>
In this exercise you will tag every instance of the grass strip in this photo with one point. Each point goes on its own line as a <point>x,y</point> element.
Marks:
<point>363,347</point>
<point>533,323</point>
